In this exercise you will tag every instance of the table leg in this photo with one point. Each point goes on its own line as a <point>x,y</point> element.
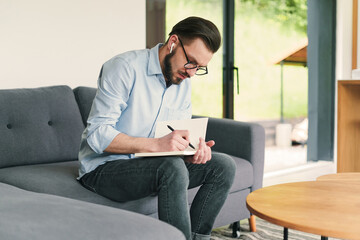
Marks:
<point>324,238</point>
<point>286,233</point>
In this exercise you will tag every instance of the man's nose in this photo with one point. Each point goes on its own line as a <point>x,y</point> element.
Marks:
<point>191,72</point>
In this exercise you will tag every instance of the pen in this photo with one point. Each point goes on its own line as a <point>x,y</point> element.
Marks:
<point>174,130</point>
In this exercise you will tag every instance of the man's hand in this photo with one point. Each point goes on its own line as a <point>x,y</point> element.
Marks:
<point>178,140</point>
<point>203,154</point>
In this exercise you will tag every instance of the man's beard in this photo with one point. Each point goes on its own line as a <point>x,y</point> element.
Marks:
<point>168,73</point>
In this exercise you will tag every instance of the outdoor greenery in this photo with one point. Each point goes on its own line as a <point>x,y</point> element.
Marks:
<point>264,30</point>
<point>291,13</point>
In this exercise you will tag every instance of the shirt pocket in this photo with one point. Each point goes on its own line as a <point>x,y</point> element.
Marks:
<point>177,114</point>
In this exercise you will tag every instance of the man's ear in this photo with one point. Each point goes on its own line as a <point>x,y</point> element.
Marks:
<point>173,39</point>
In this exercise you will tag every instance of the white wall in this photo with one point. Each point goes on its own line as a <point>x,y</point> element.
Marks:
<point>344,39</point>
<point>53,42</point>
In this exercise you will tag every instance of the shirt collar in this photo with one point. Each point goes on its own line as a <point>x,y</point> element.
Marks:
<point>154,62</point>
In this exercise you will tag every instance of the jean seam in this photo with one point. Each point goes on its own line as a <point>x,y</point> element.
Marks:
<point>204,206</point>
<point>167,199</point>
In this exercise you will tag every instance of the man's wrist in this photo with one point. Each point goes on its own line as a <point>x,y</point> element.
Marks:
<point>152,145</point>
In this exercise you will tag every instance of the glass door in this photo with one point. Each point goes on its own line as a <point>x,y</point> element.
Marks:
<point>266,32</point>
<point>273,82</point>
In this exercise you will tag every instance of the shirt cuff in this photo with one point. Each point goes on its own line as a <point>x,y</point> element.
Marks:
<point>101,138</point>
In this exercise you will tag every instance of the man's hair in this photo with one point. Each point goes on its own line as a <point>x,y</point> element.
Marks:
<point>195,27</point>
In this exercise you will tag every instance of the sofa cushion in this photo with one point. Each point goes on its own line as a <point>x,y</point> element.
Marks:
<point>40,125</point>
<point>85,97</point>
<point>29,215</point>
<point>60,179</point>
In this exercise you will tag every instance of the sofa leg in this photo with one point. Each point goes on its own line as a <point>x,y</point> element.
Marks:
<point>235,229</point>
<point>252,223</point>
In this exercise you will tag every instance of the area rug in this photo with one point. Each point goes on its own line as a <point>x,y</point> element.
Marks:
<point>264,231</point>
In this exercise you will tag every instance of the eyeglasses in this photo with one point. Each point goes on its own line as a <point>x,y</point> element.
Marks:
<point>200,70</point>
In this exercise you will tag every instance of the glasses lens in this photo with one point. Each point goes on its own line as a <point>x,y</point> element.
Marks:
<point>201,71</point>
<point>190,65</point>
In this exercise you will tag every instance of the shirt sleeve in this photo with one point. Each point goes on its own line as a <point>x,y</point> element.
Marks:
<point>114,86</point>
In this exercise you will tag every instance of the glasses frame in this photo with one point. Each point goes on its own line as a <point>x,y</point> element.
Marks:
<point>186,65</point>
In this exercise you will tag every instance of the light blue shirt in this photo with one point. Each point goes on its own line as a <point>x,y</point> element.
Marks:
<point>131,98</point>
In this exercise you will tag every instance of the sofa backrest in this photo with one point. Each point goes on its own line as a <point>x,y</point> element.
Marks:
<point>40,125</point>
<point>84,97</point>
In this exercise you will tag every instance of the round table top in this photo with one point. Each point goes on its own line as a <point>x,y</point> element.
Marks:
<point>353,177</point>
<point>326,208</point>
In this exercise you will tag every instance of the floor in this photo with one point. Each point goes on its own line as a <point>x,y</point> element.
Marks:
<point>289,164</point>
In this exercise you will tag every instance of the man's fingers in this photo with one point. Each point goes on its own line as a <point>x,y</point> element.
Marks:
<point>182,133</point>
<point>178,140</point>
<point>209,153</point>
<point>210,143</point>
<point>200,155</point>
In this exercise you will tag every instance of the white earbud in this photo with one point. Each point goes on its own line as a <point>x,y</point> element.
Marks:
<point>172,45</point>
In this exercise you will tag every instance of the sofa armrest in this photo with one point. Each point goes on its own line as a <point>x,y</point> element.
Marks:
<point>240,139</point>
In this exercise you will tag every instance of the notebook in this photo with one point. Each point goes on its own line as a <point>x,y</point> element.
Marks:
<point>197,128</point>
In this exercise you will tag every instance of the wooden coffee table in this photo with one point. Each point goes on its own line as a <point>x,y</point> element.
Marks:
<point>353,177</point>
<point>326,208</point>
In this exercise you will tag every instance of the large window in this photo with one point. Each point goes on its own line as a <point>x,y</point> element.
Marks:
<point>266,32</point>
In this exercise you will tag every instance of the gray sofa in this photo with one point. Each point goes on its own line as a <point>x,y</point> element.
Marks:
<point>40,133</point>
<point>29,215</point>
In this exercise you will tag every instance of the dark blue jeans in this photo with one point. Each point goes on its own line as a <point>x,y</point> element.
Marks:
<point>169,178</point>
